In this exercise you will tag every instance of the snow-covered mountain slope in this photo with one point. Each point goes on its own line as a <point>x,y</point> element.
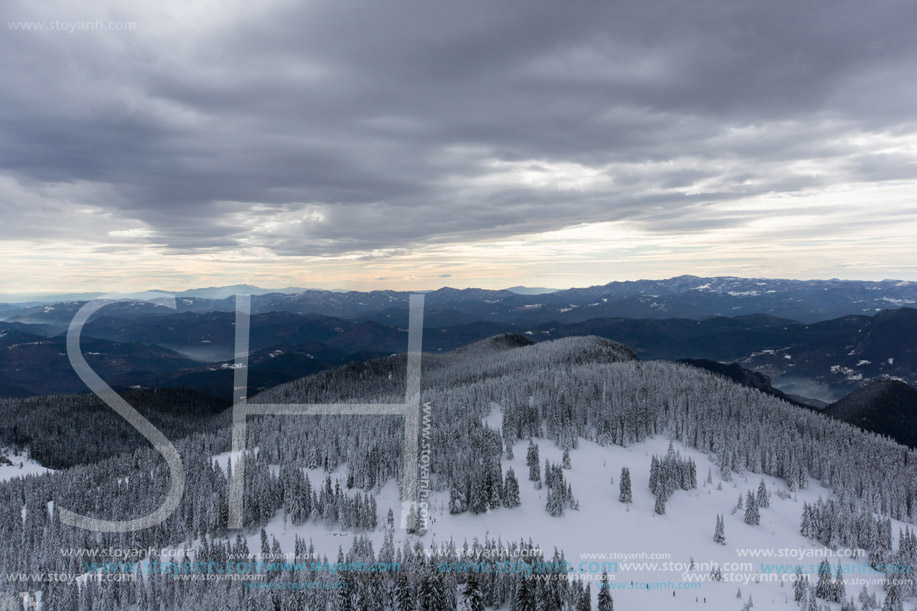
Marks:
<point>485,409</point>
<point>13,464</point>
<point>604,526</point>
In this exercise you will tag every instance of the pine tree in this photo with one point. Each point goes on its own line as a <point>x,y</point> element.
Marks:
<point>763,496</point>
<point>654,474</point>
<point>839,592</point>
<point>533,462</point>
<point>525,595</point>
<point>812,604</point>
<point>606,602</point>
<point>799,585</point>
<point>429,597</point>
<point>585,601</point>
<point>719,532</point>
<point>823,586</point>
<point>495,486</point>
<point>345,593</point>
<point>456,499</point>
<point>866,601</point>
<point>659,508</point>
<point>752,515</point>
<point>554,504</point>
<point>565,461</point>
<point>472,595</point>
<point>625,493</point>
<point>892,600</point>
<point>511,490</point>
<point>479,496</point>
<point>404,598</point>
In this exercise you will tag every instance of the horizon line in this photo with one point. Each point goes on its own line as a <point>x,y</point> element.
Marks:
<point>293,290</point>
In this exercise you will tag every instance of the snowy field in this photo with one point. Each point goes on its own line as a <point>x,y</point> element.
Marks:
<point>603,525</point>
<point>21,465</point>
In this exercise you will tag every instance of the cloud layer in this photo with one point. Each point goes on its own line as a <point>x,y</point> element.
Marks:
<point>315,131</point>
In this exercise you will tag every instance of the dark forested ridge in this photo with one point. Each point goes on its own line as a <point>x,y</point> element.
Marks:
<point>61,431</point>
<point>887,407</point>
<point>747,377</point>
<point>39,365</point>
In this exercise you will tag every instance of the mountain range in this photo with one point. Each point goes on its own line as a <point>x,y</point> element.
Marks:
<point>810,342</point>
<point>681,297</point>
<point>823,361</point>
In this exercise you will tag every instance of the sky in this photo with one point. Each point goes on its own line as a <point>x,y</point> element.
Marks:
<point>415,144</point>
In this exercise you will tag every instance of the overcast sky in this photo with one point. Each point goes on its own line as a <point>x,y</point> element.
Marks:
<point>395,144</point>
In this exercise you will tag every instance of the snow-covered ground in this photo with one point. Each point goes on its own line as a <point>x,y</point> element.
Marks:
<point>602,525</point>
<point>21,465</point>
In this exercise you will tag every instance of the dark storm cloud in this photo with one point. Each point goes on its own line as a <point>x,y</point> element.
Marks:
<point>320,128</point>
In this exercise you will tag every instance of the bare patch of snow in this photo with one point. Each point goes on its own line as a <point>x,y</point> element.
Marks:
<point>21,465</point>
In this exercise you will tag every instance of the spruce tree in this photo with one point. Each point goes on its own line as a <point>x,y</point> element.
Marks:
<point>456,499</point>
<point>472,595</point>
<point>404,597</point>
<point>752,515</point>
<point>812,604</point>
<point>823,586</point>
<point>533,462</point>
<point>625,493</point>
<point>606,602</point>
<point>554,504</point>
<point>479,496</point>
<point>840,589</point>
<point>719,532</point>
<point>585,601</point>
<point>892,600</point>
<point>525,595</point>
<point>511,490</point>
<point>799,585</point>
<point>763,496</point>
<point>345,593</point>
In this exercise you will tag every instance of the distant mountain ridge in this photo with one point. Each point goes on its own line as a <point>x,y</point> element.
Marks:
<point>680,297</point>
<point>825,360</point>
